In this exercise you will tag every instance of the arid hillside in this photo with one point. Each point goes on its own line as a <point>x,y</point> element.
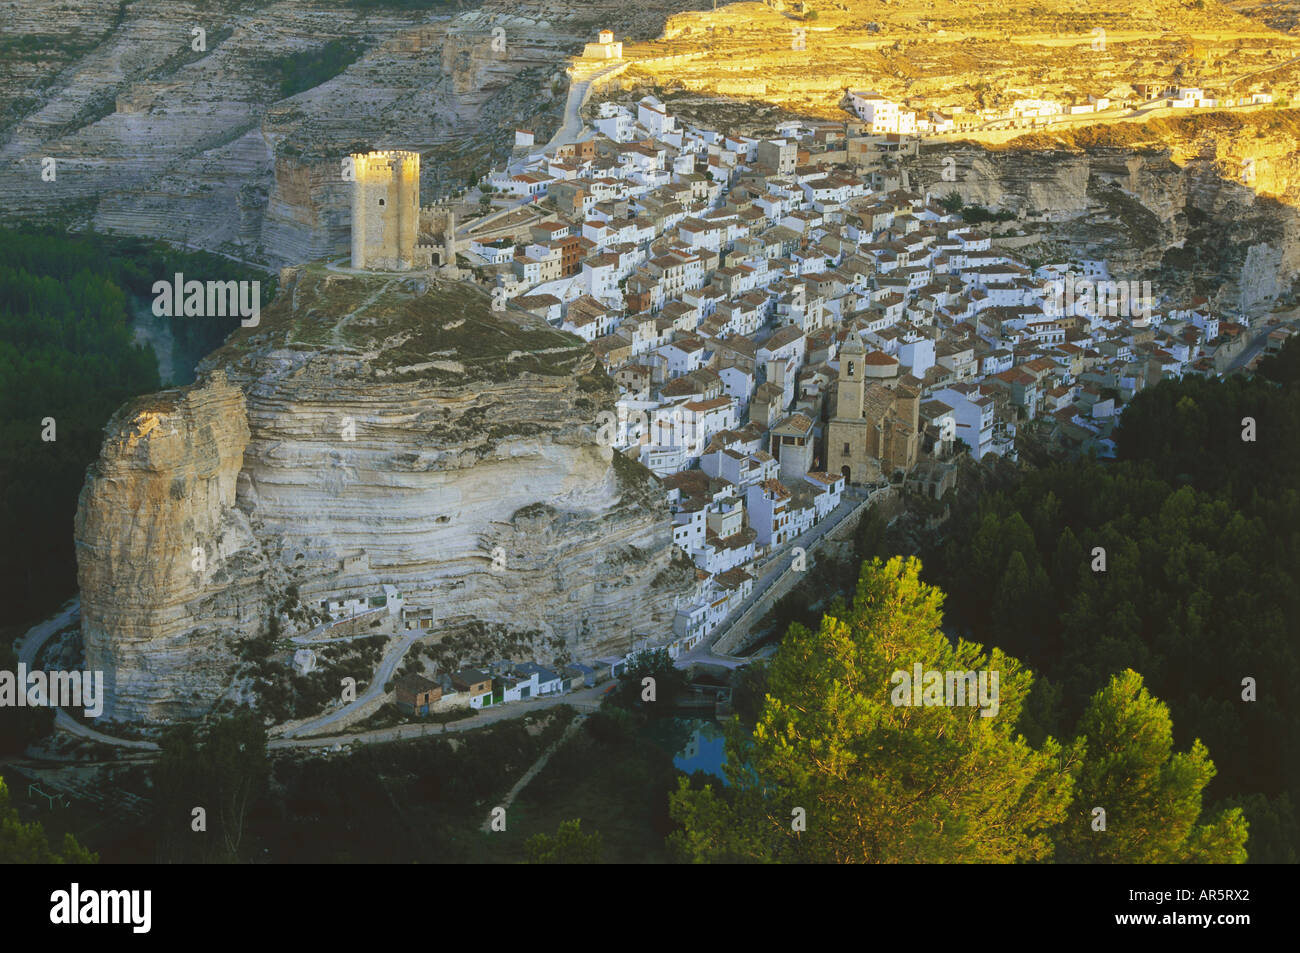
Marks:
<point>1281,15</point>
<point>941,53</point>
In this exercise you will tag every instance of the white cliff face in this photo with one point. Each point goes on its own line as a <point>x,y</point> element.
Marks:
<point>481,495</point>
<point>169,563</point>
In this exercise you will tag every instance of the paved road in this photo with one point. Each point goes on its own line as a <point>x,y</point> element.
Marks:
<point>34,640</point>
<point>1252,350</point>
<point>393,656</point>
<point>572,128</point>
<point>585,700</point>
<point>30,646</point>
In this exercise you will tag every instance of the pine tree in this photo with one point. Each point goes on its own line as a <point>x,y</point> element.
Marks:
<point>871,780</point>
<point>569,846</point>
<point>1151,795</point>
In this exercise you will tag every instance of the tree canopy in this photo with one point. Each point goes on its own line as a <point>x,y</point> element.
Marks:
<point>1150,795</point>
<point>1181,561</point>
<point>221,770</point>
<point>68,360</point>
<point>569,846</point>
<point>842,766</point>
<point>22,843</point>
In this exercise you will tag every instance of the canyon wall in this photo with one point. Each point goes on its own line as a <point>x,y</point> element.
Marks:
<point>464,473</point>
<point>236,147</point>
<point>1209,204</point>
<point>167,563</point>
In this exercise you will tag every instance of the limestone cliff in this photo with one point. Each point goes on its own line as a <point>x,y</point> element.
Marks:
<point>1204,205</point>
<point>370,431</point>
<point>167,564</point>
<point>939,54</point>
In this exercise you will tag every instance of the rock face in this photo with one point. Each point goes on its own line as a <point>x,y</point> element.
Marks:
<point>371,431</point>
<point>237,146</point>
<point>1203,205</point>
<point>168,564</point>
<point>956,52</point>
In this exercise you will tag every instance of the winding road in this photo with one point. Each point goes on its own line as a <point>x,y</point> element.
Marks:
<point>572,128</point>
<point>29,648</point>
<point>586,700</point>
<point>392,658</point>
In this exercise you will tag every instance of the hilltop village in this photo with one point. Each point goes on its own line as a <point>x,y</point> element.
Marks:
<point>791,328</point>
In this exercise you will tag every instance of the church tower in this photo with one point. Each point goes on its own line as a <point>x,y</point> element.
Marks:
<point>846,433</point>
<point>851,380</point>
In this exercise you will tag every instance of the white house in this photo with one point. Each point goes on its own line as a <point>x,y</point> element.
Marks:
<point>973,414</point>
<point>688,529</point>
<point>651,114</point>
<point>618,126</point>
<point>829,489</point>
<point>497,252</point>
<point>517,687</point>
<point>883,115</point>
<point>605,47</point>
<point>547,682</point>
<point>767,503</point>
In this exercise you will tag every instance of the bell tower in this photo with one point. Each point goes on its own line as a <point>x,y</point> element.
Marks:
<point>851,381</point>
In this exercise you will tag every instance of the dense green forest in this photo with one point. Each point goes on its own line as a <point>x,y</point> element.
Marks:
<point>1142,595</point>
<point>1180,561</point>
<point>832,766</point>
<point>67,356</point>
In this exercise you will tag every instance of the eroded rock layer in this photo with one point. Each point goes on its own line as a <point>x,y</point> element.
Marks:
<point>231,140</point>
<point>370,431</point>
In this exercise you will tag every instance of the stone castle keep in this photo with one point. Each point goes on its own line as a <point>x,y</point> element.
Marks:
<point>390,229</point>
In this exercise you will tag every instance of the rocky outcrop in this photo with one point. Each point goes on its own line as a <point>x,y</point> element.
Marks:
<point>167,563</point>
<point>425,442</point>
<point>967,54</point>
<point>1200,206</point>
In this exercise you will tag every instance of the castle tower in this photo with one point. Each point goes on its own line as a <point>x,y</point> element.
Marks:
<point>449,240</point>
<point>385,210</point>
